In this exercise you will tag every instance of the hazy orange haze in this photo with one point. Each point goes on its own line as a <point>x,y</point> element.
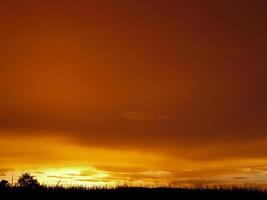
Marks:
<point>142,92</point>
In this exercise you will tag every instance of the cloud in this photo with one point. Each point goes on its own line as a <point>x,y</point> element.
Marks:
<point>182,93</point>
<point>156,174</point>
<point>93,180</point>
<point>133,173</point>
<point>39,173</point>
<point>144,116</point>
<point>118,169</point>
<point>59,177</point>
<point>3,171</point>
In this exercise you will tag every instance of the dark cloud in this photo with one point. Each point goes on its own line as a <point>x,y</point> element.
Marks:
<point>183,77</point>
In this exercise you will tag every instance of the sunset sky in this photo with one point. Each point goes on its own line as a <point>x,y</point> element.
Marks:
<point>151,92</point>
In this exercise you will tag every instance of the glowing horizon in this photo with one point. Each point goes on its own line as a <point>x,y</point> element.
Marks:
<point>52,160</point>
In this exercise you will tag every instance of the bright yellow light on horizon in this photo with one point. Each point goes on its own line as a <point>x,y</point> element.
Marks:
<point>62,162</point>
<point>73,176</point>
<point>67,164</point>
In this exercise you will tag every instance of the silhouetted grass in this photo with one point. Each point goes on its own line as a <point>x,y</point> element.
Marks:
<point>137,192</point>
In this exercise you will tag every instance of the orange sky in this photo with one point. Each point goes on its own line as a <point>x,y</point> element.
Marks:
<point>152,92</point>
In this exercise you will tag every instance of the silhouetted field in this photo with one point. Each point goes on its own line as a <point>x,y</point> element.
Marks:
<point>27,186</point>
<point>136,192</point>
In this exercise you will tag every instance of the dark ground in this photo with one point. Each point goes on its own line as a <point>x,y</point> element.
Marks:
<point>128,193</point>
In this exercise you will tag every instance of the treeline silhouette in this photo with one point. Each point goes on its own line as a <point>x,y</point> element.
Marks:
<point>28,185</point>
<point>24,181</point>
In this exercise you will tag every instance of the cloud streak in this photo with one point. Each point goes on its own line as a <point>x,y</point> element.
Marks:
<point>144,116</point>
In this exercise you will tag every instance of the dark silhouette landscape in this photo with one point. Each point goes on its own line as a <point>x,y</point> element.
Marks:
<point>28,186</point>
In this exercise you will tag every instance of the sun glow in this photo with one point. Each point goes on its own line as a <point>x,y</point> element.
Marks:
<point>73,177</point>
<point>65,163</point>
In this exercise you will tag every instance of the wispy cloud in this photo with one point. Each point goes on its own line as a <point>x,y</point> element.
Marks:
<point>3,171</point>
<point>145,116</point>
<point>94,180</point>
<point>117,169</point>
<point>157,174</point>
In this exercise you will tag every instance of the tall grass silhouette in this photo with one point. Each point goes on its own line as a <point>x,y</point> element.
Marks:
<point>27,185</point>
